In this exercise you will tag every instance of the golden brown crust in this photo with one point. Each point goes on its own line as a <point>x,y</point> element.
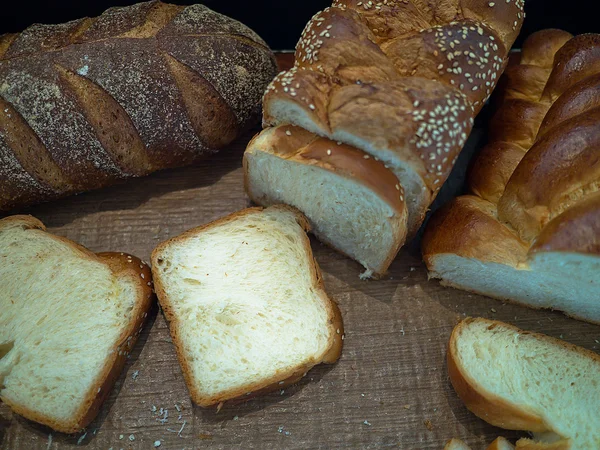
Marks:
<point>287,377</point>
<point>492,169</point>
<point>122,265</point>
<point>576,230</point>
<point>488,406</point>
<point>481,235</point>
<point>541,167</point>
<point>400,80</point>
<point>560,168</point>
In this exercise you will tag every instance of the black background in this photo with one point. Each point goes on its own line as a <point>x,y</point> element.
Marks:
<point>280,22</point>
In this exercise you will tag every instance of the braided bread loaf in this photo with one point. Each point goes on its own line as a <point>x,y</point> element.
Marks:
<point>531,230</point>
<point>401,81</point>
<point>140,88</point>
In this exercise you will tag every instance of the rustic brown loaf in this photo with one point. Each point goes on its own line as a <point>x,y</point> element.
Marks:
<point>531,230</point>
<point>399,80</point>
<point>137,89</point>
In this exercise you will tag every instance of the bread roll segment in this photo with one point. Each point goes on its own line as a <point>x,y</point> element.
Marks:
<point>401,81</point>
<point>540,177</point>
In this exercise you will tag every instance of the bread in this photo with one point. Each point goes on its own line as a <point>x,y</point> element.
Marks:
<point>140,88</point>
<point>346,195</point>
<point>519,380</point>
<point>399,80</point>
<point>456,444</point>
<point>68,320</point>
<point>529,231</point>
<point>245,303</point>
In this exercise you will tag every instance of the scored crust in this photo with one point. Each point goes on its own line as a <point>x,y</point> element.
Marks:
<point>487,405</point>
<point>122,265</point>
<point>289,377</point>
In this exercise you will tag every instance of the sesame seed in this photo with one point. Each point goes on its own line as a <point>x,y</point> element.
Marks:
<point>366,156</point>
<point>328,151</point>
<point>311,106</point>
<point>288,132</point>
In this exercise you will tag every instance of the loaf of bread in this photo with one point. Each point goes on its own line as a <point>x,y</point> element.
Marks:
<point>246,306</point>
<point>530,231</point>
<point>520,380</point>
<point>68,320</point>
<point>399,80</point>
<point>140,88</point>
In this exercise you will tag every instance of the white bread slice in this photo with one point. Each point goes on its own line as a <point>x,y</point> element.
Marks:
<point>68,320</point>
<point>527,381</point>
<point>246,304</point>
<point>353,202</point>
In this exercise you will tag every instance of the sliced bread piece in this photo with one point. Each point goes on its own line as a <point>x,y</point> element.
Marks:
<point>246,304</point>
<point>519,380</point>
<point>353,202</point>
<point>68,320</point>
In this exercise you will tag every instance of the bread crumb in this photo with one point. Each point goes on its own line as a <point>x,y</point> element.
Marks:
<point>49,442</point>
<point>157,443</point>
<point>131,437</point>
<point>366,422</point>
<point>493,310</point>
<point>235,417</point>
<point>135,375</point>
<point>177,407</point>
<point>205,436</point>
<point>120,436</point>
<point>406,406</point>
<point>428,424</point>
<point>81,438</point>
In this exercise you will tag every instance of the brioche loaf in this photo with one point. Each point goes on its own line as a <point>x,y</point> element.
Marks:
<point>399,80</point>
<point>530,230</point>
<point>68,320</point>
<point>246,304</point>
<point>519,380</point>
<point>140,88</point>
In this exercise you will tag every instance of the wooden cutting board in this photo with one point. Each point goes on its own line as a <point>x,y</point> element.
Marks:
<point>390,388</point>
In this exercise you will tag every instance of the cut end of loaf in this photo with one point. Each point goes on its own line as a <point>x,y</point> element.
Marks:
<point>353,202</point>
<point>238,324</point>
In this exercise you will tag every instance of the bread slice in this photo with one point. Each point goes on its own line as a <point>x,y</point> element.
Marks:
<point>527,381</point>
<point>68,320</point>
<point>246,304</point>
<point>353,202</point>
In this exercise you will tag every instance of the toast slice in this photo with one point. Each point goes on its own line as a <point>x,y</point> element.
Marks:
<point>246,304</point>
<point>519,380</point>
<point>68,320</point>
<point>354,202</point>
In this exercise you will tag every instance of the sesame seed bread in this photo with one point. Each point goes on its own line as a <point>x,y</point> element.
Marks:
<point>529,231</point>
<point>399,80</point>
<point>68,320</point>
<point>353,202</point>
<point>245,304</point>
<point>140,88</point>
<point>520,380</point>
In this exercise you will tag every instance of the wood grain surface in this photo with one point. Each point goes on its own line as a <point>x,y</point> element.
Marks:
<point>390,388</point>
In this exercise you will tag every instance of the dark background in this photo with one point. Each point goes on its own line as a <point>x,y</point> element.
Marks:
<point>280,22</point>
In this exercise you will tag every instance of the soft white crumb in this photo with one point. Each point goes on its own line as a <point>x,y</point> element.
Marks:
<point>366,422</point>
<point>131,437</point>
<point>120,436</point>
<point>157,443</point>
<point>135,375</point>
